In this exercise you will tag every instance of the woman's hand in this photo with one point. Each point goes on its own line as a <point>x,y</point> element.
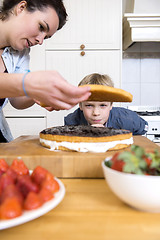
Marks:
<point>51,90</point>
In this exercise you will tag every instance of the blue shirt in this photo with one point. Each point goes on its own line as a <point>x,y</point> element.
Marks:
<point>15,62</point>
<point>119,118</point>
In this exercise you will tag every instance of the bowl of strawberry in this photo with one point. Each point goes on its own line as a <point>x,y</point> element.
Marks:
<point>134,177</point>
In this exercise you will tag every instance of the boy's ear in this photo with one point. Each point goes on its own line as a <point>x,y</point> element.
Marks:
<point>21,6</point>
<point>111,106</point>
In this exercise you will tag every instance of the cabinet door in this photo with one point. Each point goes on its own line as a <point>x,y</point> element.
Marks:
<point>73,67</point>
<point>94,23</point>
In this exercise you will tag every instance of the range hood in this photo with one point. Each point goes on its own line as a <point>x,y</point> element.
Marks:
<point>143,24</point>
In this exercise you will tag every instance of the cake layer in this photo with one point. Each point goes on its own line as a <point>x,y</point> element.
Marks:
<point>86,146</point>
<point>84,134</point>
<point>105,93</point>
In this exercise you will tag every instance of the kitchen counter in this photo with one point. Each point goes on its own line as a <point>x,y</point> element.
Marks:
<point>62,164</point>
<point>89,211</point>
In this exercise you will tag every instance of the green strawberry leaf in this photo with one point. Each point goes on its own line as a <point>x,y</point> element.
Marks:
<point>138,151</point>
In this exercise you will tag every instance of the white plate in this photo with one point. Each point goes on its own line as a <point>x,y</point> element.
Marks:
<point>32,214</point>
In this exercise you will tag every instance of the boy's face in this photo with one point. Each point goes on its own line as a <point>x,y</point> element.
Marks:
<point>96,112</point>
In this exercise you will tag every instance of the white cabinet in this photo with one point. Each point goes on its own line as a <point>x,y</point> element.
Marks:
<point>91,41</point>
<point>74,67</point>
<point>94,23</point>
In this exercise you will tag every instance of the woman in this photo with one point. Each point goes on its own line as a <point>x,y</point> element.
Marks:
<point>24,24</point>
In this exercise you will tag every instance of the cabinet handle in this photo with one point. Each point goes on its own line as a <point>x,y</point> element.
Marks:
<point>82,46</point>
<point>82,53</point>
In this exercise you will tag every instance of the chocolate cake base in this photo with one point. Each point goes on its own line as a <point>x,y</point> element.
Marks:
<point>76,138</point>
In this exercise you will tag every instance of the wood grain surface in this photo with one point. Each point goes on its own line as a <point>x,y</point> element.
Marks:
<point>89,211</point>
<point>62,164</point>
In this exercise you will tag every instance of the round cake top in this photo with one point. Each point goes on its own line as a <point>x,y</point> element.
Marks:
<point>83,131</point>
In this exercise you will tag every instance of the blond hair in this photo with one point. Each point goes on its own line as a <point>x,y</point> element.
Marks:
<point>96,78</point>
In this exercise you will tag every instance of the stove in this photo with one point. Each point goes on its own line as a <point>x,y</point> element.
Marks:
<point>152,115</point>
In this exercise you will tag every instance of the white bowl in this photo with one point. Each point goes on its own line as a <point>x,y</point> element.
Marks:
<point>139,191</point>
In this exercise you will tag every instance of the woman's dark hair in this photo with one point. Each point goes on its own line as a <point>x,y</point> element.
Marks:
<point>33,5</point>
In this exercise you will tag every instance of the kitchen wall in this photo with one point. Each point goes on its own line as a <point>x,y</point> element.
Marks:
<point>141,73</point>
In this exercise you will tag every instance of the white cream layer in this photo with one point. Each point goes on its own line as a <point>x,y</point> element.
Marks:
<point>85,147</point>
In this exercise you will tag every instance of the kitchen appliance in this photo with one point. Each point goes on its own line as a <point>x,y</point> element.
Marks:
<point>152,115</point>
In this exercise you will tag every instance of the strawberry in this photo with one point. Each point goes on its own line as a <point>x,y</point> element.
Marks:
<point>115,156</point>
<point>5,180</point>
<point>118,165</point>
<point>148,161</point>
<point>12,173</point>
<point>10,208</point>
<point>26,185</point>
<point>3,165</point>
<point>32,201</point>
<point>19,167</point>
<point>11,191</point>
<point>1,172</point>
<point>50,183</point>
<point>45,194</point>
<point>39,174</point>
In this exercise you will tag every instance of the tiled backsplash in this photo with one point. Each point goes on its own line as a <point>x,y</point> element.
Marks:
<point>141,73</point>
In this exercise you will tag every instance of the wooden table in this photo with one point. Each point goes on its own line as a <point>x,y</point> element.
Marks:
<point>62,164</point>
<point>89,211</point>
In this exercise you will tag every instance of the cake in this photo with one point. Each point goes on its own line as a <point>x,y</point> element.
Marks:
<point>85,138</point>
<point>103,93</point>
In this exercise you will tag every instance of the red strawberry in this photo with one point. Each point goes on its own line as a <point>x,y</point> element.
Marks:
<point>115,156</point>
<point>50,183</point>
<point>1,172</point>
<point>19,167</point>
<point>45,194</point>
<point>148,161</point>
<point>25,185</point>
<point>5,180</point>
<point>32,201</point>
<point>3,165</point>
<point>11,191</point>
<point>12,173</point>
<point>118,165</point>
<point>39,174</point>
<point>10,208</point>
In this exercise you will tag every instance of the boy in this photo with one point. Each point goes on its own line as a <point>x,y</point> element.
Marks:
<point>102,114</point>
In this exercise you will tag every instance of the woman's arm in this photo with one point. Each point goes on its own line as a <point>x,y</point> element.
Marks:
<point>47,87</point>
